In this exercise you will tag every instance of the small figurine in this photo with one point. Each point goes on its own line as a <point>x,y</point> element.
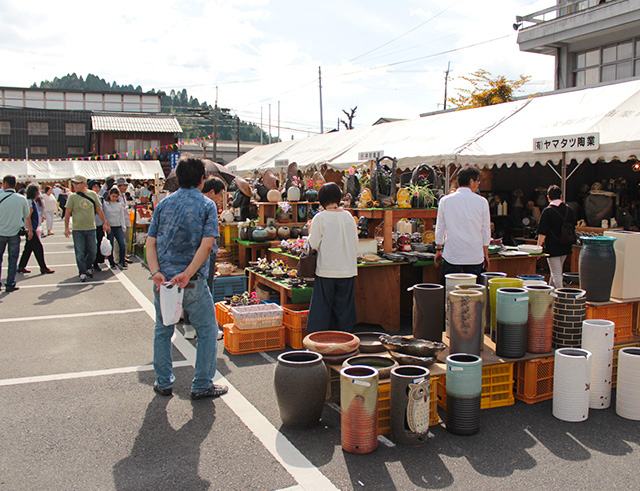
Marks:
<point>404,243</point>
<point>366,199</point>
<point>404,198</point>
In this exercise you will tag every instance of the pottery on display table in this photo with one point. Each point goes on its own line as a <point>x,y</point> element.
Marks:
<point>428,311</point>
<point>540,319</point>
<point>597,338</point>
<point>370,342</point>
<point>383,364</point>
<point>284,232</point>
<point>465,312</point>
<point>359,409</point>
<point>484,280</point>
<point>293,193</point>
<point>404,359</point>
<point>494,284</point>
<point>485,300</point>
<point>300,383</point>
<point>311,195</point>
<point>628,384</point>
<point>409,346</point>
<point>569,310</point>
<point>570,280</point>
<point>410,394</point>
<point>259,234</point>
<point>274,196</point>
<point>339,359</point>
<point>331,343</point>
<point>571,384</point>
<point>463,386</point>
<point>512,312</point>
<point>597,267</point>
<point>294,232</point>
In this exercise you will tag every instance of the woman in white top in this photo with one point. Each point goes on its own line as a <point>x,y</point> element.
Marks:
<point>50,207</point>
<point>116,214</point>
<point>335,236</point>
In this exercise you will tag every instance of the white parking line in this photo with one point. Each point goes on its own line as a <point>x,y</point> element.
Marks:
<point>70,316</point>
<point>67,265</point>
<point>301,469</point>
<point>75,283</point>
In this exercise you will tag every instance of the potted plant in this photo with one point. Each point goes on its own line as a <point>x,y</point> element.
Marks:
<point>422,196</point>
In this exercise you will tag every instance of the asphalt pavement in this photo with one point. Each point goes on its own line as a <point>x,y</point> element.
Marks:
<point>77,411</point>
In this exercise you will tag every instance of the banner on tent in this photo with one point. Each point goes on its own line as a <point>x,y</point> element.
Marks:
<point>371,155</point>
<point>567,143</point>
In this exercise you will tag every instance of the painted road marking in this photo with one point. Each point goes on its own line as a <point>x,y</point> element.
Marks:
<point>69,316</point>
<point>79,283</point>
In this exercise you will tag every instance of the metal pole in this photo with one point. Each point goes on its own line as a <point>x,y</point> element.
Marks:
<point>269,123</point>
<point>278,120</point>
<point>237,136</point>
<point>563,176</point>
<point>446,84</point>
<point>320,88</point>
<point>261,131</point>
<point>215,129</point>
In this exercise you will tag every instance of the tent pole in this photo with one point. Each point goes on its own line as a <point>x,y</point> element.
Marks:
<point>563,177</point>
<point>446,179</point>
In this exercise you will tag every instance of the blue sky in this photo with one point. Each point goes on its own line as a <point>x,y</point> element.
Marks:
<point>262,51</point>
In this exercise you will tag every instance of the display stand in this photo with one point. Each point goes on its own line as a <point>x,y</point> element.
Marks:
<point>513,266</point>
<point>250,251</point>
<point>287,293</point>
<point>268,211</point>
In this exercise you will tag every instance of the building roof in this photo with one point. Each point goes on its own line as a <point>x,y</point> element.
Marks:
<point>386,120</point>
<point>138,124</point>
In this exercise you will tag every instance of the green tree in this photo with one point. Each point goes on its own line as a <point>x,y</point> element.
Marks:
<point>487,90</point>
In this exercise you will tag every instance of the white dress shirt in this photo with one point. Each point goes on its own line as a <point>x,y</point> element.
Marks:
<point>463,226</point>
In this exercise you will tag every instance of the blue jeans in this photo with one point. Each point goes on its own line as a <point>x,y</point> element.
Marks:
<point>118,234</point>
<point>198,304</point>
<point>85,247</point>
<point>14,251</point>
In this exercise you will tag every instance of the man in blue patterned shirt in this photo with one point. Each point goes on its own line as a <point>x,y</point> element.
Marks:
<point>181,236</point>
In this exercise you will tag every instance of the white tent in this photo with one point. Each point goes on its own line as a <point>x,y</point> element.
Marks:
<point>257,156</point>
<point>51,170</point>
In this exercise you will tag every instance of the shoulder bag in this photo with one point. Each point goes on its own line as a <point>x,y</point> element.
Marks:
<point>307,263</point>
<point>80,193</point>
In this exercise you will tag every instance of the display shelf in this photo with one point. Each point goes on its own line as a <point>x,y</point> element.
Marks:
<point>267,210</point>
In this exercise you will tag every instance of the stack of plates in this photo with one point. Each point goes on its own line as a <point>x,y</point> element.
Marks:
<point>530,249</point>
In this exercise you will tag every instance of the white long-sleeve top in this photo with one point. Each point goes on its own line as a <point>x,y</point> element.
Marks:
<point>463,225</point>
<point>50,202</point>
<point>335,236</point>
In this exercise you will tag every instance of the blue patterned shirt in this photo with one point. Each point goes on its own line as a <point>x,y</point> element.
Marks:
<point>179,224</point>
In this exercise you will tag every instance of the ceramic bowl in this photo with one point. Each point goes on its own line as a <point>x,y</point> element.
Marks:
<point>339,359</point>
<point>381,363</point>
<point>421,361</point>
<point>370,342</point>
<point>409,346</point>
<point>331,343</point>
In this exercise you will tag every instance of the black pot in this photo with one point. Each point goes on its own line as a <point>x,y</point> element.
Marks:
<point>597,267</point>
<point>311,195</point>
<point>571,280</point>
<point>410,404</point>
<point>428,311</point>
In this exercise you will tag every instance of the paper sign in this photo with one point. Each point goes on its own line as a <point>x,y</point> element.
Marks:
<point>567,143</point>
<point>371,155</point>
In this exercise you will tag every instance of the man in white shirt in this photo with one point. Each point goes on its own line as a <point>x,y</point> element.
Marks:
<point>463,227</point>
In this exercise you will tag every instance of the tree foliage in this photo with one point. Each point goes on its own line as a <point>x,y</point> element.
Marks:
<point>487,90</point>
<point>179,103</point>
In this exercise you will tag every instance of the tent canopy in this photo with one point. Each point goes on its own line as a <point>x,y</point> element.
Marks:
<point>52,170</point>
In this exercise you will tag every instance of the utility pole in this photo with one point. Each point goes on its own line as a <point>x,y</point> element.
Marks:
<point>215,128</point>
<point>261,131</point>
<point>269,123</point>
<point>446,83</point>
<point>237,136</point>
<point>278,120</point>
<point>320,88</point>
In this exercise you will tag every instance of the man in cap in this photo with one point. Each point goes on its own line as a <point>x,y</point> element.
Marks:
<point>83,205</point>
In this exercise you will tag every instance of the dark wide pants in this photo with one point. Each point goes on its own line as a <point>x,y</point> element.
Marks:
<point>448,268</point>
<point>333,305</point>
<point>34,245</point>
<point>99,257</point>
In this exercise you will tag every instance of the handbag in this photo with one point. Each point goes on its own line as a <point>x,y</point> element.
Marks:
<point>307,263</point>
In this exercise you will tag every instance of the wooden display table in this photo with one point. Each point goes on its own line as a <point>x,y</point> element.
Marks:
<point>268,210</point>
<point>512,265</point>
<point>250,251</point>
<point>287,293</point>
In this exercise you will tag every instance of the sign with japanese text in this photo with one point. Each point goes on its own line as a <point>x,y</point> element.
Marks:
<point>372,155</point>
<point>174,157</point>
<point>281,163</point>
<point>567,143</point>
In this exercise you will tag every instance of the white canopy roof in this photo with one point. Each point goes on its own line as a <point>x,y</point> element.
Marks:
<point>258,156</point>
<point>51,170</point>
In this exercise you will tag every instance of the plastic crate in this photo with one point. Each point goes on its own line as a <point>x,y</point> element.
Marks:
<point>239,342</point>
<point>534,380</point>
<point>227,286</point>
<point>229,234</point>
<point>293,337</point>
<point>620,313</point>
<point>616,349</point>
<point>497,387</point>
<point>295,315</point>
<point>223,314</point>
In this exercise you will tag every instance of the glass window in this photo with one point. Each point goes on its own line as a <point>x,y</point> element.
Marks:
<point>625,70</point>
<point>608,73</point>
<point>593,57</point>
<point>4,149</point>
<point>38,150</point>
<point>580,60</point>
<point>638,49</point>
<point>592,75</point>
<point>609,54</point>
<point>580,79</point>
<point>74,129</point>
<point>625,50</point>
<point>637,68</point>
<point>38,128</point>
<point>75,150</point>
<point>5,127</point>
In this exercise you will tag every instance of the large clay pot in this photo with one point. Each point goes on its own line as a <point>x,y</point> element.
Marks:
<point>428,311</point>
<point>274,196</point>
<point>569,310</point>
<point>359,409</point>
<point>331,343</point>
<point>484,280</point>
<point>597,267</point>
<point>272,232</point>
<point>450,282</point>
<point>311,195</point>
<point>628,388</point>
<point>597,338</point>
<point>300,383</point>
<point>245,233</point>
<point>293,193</point>
<point>485,300</point>
<point>259,234</point>
<point>512,309</point>
<point>465,314</point>
<point>410,393</point>
<point>540,321</point>
<point>464,386</point>
<point>284,232</point>
<point>571,375</point>
<point>383,364</point>
<point>294,232</point>
<point>494,284</point>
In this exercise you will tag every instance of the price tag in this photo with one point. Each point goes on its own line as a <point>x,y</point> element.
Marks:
<point>418,380</point>
<point>456,369</point>
<point>364,383</point>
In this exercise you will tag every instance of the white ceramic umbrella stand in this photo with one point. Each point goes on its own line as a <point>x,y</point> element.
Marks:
<point>597,337</point>
<point>571,375</point>
<point>450,282</point>
<point>628,389</point>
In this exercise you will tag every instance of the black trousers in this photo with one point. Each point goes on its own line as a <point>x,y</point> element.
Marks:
<point>99,235</point>
<point>448,268</point>
<point>333,305</point>
<point>34,245</point>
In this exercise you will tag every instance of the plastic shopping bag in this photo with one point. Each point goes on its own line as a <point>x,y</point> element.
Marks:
<point>105,247</point>
<point>171,303</point>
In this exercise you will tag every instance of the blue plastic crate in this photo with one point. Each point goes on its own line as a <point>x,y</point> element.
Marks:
<point>226,286</point>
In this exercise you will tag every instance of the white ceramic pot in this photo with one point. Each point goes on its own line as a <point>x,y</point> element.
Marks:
<point>274,196</point>
<point>597,337</point>
<point>293,194</point>
<point>628,389</point>
<point>571,384</point>
<point>450,282</point>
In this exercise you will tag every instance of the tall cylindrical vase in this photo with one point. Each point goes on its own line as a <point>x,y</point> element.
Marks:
<point>597,338</point>
<point>512,310</point>
<point>410,392</point>
<point>359,409</point>
<point>569,310</point>
<point>464,388</point>
<point>628,388</point>
<point>540,321</point>
<point>494,284</point>
<point>300,383</point>
<point>428,311</point>
<point>571,375</point>
<point>465,314</point>
<point>485,301</point>
<point>453,279</point>
<point>484,279</point>
<point>597,267</point>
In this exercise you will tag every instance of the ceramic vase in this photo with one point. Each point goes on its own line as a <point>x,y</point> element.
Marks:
<point>494,284</point>
<point>410,392</point>
<point>597,267</point>
<point>428,311</point>
<point>628,388</point>
<point>540,319</point>
<point>453,279</point>
<point>284,232</point>
<point>512,312</point>
<point>485,301</point>
<point>484,279</point>
<point>464,386</point>
<point>569,310</point>
<point>332,343</point>
<point>259,234</point>
<point>293,193</point>
<point>300,383</point>
<point>571,387</point>
<point>571,280</point>
<point>274,196</point>
<point>465,314</point>
<point>597,338</point>
<point>359,409</point>
<point>311,195</point>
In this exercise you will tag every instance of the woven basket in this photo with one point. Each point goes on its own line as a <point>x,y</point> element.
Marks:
<point>257,316</point>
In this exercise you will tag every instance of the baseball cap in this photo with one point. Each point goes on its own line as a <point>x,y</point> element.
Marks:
<point>79,179</point>
<point>121,181</point>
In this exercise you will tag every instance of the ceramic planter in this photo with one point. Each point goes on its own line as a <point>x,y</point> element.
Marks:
<point>300,384</point>
<point>597,338</point>
<point>485,301</point>
<point>428,311</point>
<point>410,392</point>
<point>311,195</point>
<point>494,284</point>
<point>284,232</point>
<point>359,409</point>
<point>274,196</point>
<point>453,279</point>
<point>293,193</point>
<point>484,279</point>
<point>383,364</point>
<point>540,320</point>
<point>512,312</point>
<point>569,310</point>
<point>331,343</point>
<point>597,267</point>
<point>259,234</point>
<point>465,314</point>
<point>571,386</point>
<point>628,388</point>
<point>571,280</point>
<point>464,386</point>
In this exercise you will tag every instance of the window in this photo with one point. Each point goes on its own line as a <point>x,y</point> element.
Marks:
<point>5,127</point>
<point>38,150</point>
<point>75,150</point>
<point>4,150</point>
<point>135,149</point>
<point>37,128</point>
<point>74,129</point>
<point>607,64</point>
